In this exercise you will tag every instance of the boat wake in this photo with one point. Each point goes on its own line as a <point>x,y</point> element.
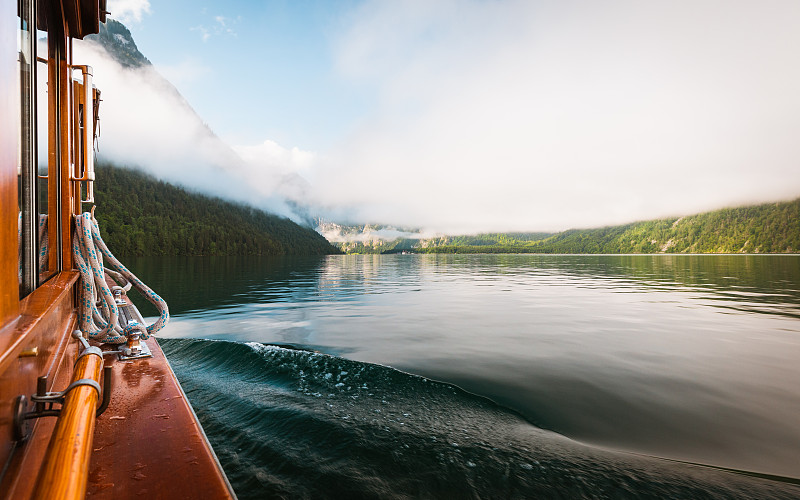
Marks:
<point>291,423</point>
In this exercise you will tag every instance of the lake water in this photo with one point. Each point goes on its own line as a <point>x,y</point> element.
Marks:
<point>492,375</point>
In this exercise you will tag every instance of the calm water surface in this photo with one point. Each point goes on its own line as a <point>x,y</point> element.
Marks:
<point>693,358</point>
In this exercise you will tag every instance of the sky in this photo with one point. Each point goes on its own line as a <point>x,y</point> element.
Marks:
<point>462,116</point>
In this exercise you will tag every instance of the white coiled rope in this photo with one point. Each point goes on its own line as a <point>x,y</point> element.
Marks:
<point>102,324</point>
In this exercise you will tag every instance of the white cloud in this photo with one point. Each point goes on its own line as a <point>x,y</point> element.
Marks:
<point>222,26</point>
<point>128,11</point>
<point>204,33</point>
<point>336,233</point>
<point>271,154</point>
<point>146,123</point>
<point>273,170</point>
<point>546,115</point>
<point>225,25</point>
<point>186,71</point>
<point>509,115</point>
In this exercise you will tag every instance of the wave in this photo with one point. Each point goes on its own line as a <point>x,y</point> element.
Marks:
<point>287,422</point>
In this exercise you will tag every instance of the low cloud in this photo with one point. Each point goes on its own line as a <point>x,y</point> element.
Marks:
<point>145,123</point>
<point>365,233</point>
<point>270,154</point>
<point>508,115</point>
<point>128,11</point>
<point>186,71</point>
<point>518,115</point>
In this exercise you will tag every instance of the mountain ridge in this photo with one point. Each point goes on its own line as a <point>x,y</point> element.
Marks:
<point>148,124</point>
<point>765,228</point>
<point>140,215</point>
<point>118,41</point>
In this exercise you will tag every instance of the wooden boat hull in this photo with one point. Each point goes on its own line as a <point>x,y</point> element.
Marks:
<point>148,441</point>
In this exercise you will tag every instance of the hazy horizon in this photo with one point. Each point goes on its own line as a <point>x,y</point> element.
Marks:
<point>464,116</point>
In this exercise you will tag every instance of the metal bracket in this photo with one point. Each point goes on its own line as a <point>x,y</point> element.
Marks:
<point>134,348</point>
<point>126,353</point>
<point>58,397</point>
<point>117,291</point>
<point>44,402</point>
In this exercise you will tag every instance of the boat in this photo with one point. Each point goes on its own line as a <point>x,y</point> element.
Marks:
<point>89,406</point>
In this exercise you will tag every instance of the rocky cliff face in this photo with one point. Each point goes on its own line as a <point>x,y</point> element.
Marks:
<point>117,40</point>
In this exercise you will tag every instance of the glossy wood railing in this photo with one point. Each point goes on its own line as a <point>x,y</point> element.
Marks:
<point>65,469</point>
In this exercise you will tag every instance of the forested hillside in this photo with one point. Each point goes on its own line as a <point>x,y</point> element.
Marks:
<point>767,228</point>
<point>140,215</point>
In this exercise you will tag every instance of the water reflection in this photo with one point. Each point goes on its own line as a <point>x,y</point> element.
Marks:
<point>196,284</point>
<point>754,283</point>
<point>689,357</point>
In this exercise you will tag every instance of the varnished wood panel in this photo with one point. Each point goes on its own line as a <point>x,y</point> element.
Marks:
<point>44,310</point>
<point>179,463</point>
<point>20,477</point>
<point>82,17</point>
<point>9,136</point>
<point>72,18</point>
<point>46,321</point>
<point>90,17</point>
<point>148,443</point>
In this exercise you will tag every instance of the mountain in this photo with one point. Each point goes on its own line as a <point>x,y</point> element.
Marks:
<point>379,238</point>
<point>368,238</point>
<point>118,42</point>
<point>145,122</point>
<point>140,215</point>
<point>766,228</point>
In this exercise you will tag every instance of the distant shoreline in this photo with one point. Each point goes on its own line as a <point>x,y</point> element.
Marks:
<point>588,254</point>
<point>766,229</point>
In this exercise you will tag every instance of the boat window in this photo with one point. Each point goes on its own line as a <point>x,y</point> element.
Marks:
<point>46,183</point>
<point>33,188</point>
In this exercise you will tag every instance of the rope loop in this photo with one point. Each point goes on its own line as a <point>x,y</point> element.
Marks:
<point>98,314</point>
